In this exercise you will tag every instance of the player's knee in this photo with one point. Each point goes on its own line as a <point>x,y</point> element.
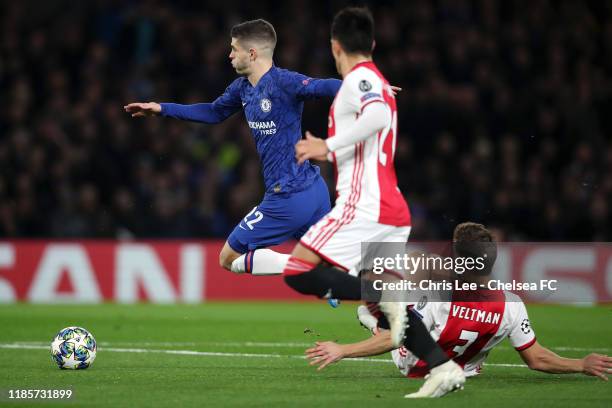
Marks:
<point>227,256</point>
<point>226,259</point>
<point>223,261</point>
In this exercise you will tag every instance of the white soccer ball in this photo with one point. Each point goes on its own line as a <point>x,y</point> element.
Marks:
<point>73,348</point>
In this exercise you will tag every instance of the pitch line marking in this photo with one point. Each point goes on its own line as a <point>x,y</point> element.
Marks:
<point>192,343</point>
<point>217,354</point>
<point>285,344</point>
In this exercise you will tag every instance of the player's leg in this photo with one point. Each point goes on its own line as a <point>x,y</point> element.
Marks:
<point>322,211</point>
<point>418,340</point>
<point>227,256</point>
<point>442,380</point>
<point>244,250</point>
<point>268,262</point>
<point>306,274</point>
<point>337,240</point>
<point>261,261</point>
<point>318,206</point>
<point>367,319</point>
<point>330,282</point>
<point>279,218</point>
<point>445,375</point>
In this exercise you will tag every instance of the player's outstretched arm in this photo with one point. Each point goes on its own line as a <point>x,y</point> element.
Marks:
<point>197,112</point>
<point>540,358</point>
<point>223,107</point>
<point>325,353</point>
<point>306,88</point>
<point>330,87</point>
<point>320,88</point>
<point>142,109</point>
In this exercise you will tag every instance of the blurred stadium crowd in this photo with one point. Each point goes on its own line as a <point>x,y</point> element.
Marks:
<point>505,116</point>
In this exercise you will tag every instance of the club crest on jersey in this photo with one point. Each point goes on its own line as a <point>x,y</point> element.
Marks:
<point>265,105</point>
<point>365,86</point>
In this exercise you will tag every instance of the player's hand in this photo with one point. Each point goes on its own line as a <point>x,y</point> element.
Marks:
<point>139,109</point>
<point>311,148</point>
<point>324,353</point>
<point>597,365</point>
<point>395,90</point>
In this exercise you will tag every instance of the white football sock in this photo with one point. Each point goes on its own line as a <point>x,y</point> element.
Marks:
<point>260,262</point>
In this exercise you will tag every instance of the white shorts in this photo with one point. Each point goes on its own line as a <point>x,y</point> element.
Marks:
<point>340,243</point>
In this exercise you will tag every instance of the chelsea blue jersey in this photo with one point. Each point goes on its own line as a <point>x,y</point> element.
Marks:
<point>273,109</point>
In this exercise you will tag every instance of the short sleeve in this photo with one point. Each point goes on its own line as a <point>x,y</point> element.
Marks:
<point>362,88</point>
<point>521,335</point>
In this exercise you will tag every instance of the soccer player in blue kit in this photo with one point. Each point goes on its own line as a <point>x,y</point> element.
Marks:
<point>272,98</point>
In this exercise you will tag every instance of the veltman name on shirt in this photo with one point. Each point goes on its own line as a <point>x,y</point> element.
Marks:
<point>265,128</point>
<point>476,315</point>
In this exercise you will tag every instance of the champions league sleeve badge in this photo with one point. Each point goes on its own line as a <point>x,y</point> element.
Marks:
<point>365,86</point>
<point>525,326</point>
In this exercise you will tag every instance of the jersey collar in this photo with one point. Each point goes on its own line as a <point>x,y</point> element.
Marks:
<point>361,64</point>
<point>264,76</point>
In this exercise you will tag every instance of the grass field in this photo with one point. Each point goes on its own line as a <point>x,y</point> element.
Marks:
<point>250,354</point>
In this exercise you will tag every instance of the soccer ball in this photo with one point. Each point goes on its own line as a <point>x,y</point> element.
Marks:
<point>73,348</point>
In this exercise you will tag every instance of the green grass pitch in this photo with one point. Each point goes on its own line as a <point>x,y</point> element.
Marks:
<point>210,355</point>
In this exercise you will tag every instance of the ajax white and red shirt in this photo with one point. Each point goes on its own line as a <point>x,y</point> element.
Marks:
<point>362,140</point>
<point>468,329</point>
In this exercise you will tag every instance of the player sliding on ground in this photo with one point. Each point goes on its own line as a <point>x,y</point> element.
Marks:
<point>369,206</point>
<point>272,98</point>
<point>467,327</point>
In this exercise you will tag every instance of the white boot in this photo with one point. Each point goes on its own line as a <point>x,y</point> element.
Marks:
<point>443,379</point>
<point>397,315</point>
<point>366,319</point>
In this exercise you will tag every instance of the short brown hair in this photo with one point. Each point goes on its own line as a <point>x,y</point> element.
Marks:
<point>471,232</point>
<point>473,240</point>
<point>255,30</point>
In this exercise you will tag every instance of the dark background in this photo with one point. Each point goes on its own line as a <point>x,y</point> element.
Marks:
<point>505,117</point>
